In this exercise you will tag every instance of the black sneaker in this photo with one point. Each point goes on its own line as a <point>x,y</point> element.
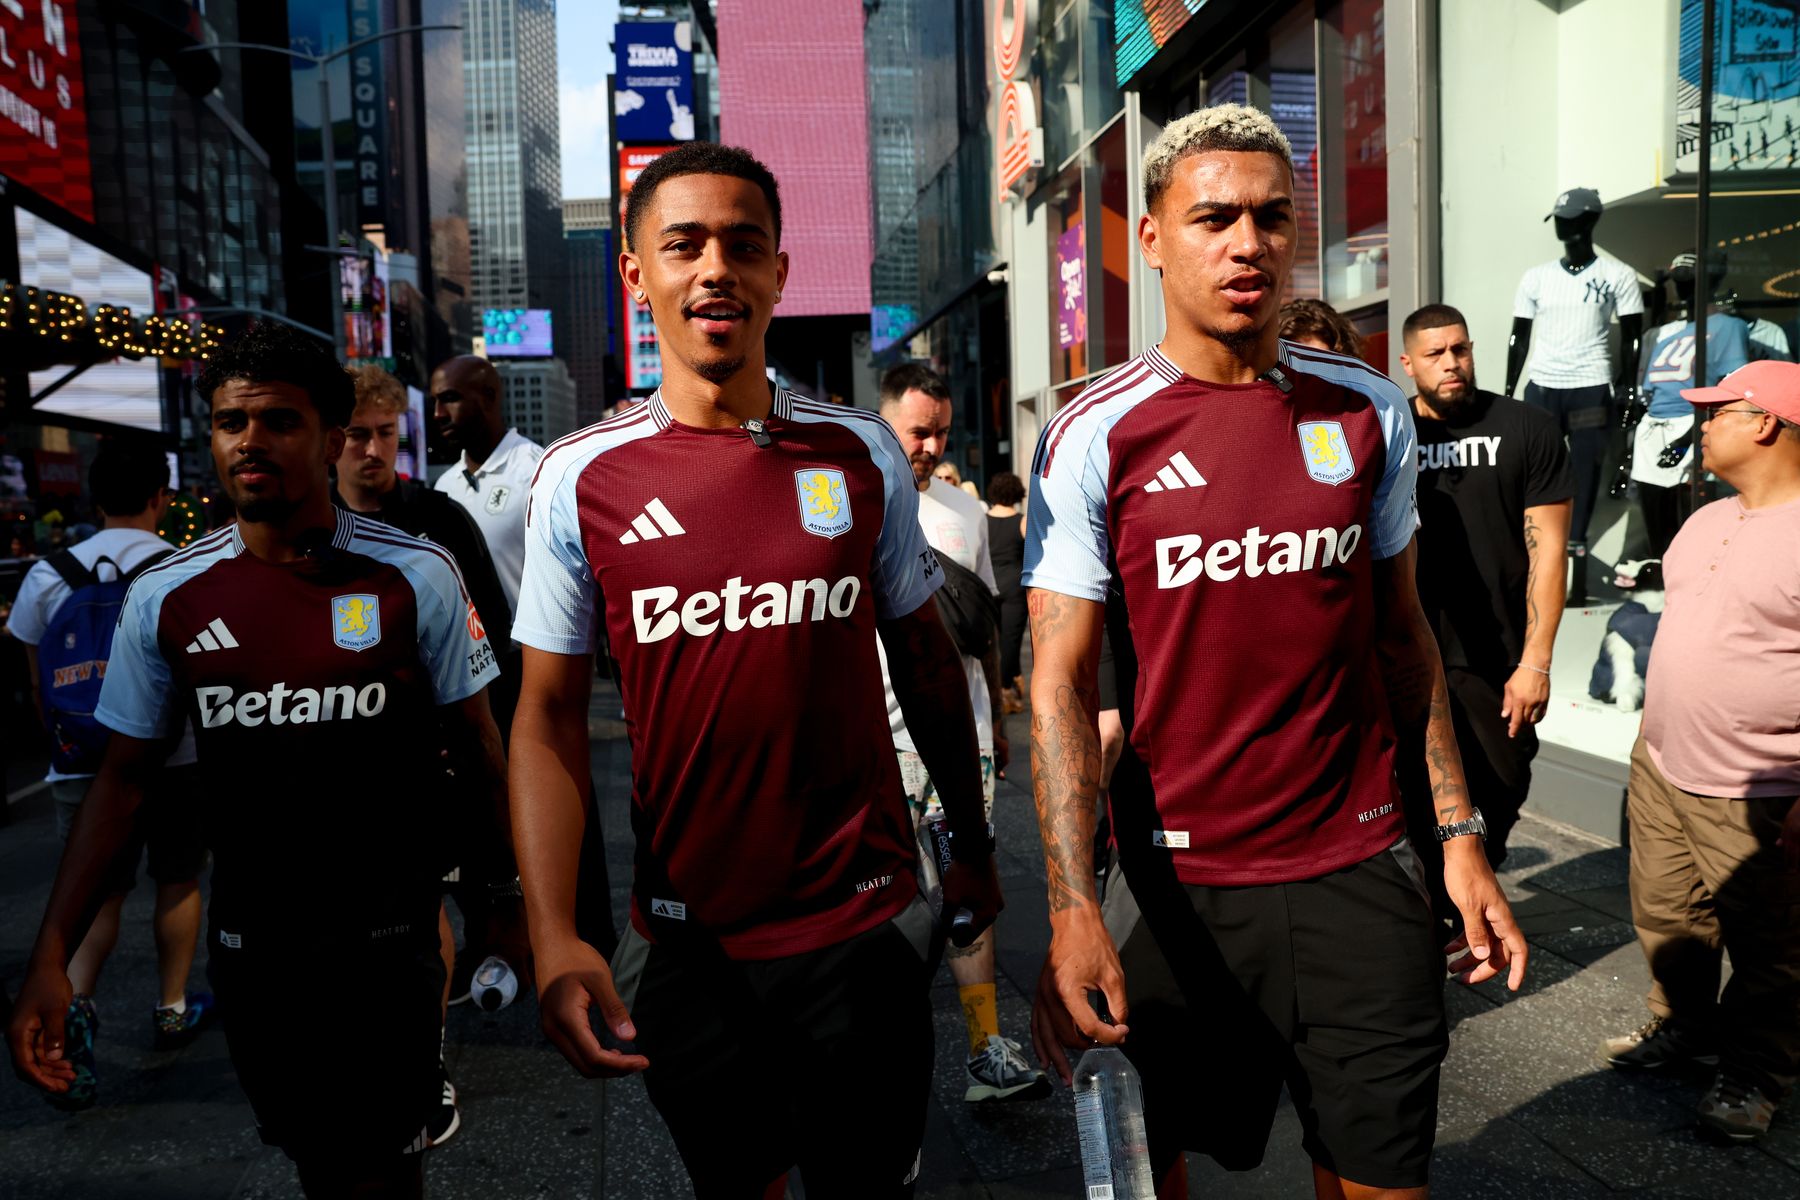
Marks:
<point>1656,1045</point>
<point>446,1118</point>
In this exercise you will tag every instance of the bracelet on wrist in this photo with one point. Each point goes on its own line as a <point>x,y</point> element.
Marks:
<point>1544,671</point>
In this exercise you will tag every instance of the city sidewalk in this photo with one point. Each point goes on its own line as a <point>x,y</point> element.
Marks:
<point>1527,1113</point>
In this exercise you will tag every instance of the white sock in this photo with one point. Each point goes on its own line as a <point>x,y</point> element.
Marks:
<point>179,1007</point>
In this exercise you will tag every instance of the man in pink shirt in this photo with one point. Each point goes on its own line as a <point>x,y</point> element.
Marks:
<point>1715,831</point>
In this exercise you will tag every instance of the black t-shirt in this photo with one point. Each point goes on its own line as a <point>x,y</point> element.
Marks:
<point>1476,479</point>
<point>1006,547</point>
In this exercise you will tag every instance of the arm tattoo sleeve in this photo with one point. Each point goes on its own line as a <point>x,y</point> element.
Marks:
<point>1419,699</point>
<point>1065,762</point>
<point>1531,573</point>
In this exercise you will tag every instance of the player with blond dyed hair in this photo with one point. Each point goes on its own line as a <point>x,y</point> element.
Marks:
<point>1248,505</point>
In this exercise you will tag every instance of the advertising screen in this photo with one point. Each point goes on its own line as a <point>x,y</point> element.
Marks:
<point>517,332</point>
<point>43,115</point>
<point>653,73</point>
<point>123,392</point>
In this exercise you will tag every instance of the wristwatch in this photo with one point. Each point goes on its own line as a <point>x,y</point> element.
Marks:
<point>1475,824</point>
<point>504,889</point>
<point>975,850</point>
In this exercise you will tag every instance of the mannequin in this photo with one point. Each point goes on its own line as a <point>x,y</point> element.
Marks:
<point>1568,306</point>
<point>1663,457</point>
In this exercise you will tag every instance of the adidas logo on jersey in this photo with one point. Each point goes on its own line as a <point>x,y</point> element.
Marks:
<point>658,611</point>
<point>1178,474</point>
<point>675,910</point>
<point>282,705</point>
<point>214,637</point>
<point>654,522</point>
<point>1179,561</point>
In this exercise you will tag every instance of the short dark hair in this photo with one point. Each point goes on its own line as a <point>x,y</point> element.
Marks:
<point>1005,488</point>
<point>699,158</point>
<point>1315,318</point>
<point>1432,316</point>
<point>912,377</point>
<point>273,352</point>
<point>127,476</point>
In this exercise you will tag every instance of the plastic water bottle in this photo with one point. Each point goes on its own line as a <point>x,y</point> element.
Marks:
<point>494,985</point>
<point>1109,1120</point>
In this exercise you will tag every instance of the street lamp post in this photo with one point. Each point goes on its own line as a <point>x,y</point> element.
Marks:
<point>328,147</point>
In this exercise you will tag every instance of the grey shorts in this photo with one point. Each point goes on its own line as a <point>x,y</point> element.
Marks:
<point>168,826</point>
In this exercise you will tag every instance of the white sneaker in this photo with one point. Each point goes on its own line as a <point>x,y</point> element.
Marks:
<point>1000,1072</point>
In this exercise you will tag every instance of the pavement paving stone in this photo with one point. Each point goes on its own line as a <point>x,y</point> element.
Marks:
<point>1527,1111</point>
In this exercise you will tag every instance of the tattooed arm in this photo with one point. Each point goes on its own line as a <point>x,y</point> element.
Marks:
<point>1527,693</point>
<point>1065,773</point>
<point>1419,699</point>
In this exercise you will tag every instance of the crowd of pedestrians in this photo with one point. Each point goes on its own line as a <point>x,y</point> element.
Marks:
<point>816,630</point>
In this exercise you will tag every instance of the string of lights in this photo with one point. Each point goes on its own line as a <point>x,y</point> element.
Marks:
<point>105,331</point>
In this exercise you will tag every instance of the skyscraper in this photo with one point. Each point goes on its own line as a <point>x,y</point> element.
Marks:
<point>593,284</point>
<point>514,154</point>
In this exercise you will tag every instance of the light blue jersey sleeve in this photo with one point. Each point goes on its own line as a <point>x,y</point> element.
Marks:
<point>137,697</point>
<point>453,646</point>
<point>1067,546</point>
<point>1395,514</point>
<point>557,592</point>
<point>905,572</point>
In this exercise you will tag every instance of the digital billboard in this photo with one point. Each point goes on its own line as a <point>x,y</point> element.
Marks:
<point>43,114</point>
<point>124,392</point>
<point>653,81</point>
<point>517,332</point>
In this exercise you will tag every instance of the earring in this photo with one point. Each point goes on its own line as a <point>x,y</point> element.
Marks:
<point>778,297</point>
<point>640,297</point>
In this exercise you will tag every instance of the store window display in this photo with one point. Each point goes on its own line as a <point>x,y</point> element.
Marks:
<point>1662,455</point>
<point>1562,317</point>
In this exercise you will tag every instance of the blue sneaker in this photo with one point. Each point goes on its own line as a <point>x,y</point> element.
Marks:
<point>79,1028</point>
<point>176,1029</point>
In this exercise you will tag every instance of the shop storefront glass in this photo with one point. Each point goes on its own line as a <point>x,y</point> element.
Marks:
<point>1354,191</point>
<point>1522,121</point>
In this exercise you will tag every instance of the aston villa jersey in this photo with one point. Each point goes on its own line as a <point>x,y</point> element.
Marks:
<point>740,586</point>
<point>1242,523</point>
<point>313,688</point>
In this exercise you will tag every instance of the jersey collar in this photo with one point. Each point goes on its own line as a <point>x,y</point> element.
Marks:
<point>782,408</point>
<point>495,462</point>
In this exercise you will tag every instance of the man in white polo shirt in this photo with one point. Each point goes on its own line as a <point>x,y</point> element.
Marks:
<point>492,478</point>
<point>1715,829</point>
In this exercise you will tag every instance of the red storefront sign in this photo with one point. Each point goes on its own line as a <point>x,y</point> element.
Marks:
<point>43,113</point>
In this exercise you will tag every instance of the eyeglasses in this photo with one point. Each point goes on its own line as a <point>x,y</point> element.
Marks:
<point>1721,411</point>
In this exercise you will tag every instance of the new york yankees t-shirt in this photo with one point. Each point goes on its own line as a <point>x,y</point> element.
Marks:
<point>1570,312</point>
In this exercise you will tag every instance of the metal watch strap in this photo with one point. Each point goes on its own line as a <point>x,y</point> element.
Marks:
<point>1476,824</point>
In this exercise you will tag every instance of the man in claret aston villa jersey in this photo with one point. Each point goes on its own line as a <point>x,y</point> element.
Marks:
<point>1252,500</point>
<point>323,659</point>
<point>742,549</point>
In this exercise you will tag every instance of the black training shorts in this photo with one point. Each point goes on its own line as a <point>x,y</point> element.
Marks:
<point>821,1059</point>
<point>336,1047</point>
<point>1331,985</point>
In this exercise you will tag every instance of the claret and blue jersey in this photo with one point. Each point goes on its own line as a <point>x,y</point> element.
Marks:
<point>740,585</point>
<point>313,687</point>
<point>1242,523</point>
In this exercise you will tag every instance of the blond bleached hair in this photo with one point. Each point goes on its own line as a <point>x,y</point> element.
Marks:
<point>1221,127</point>
<point>378,389</point>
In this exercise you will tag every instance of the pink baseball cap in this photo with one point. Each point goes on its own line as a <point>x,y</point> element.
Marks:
<point>1771,385</point>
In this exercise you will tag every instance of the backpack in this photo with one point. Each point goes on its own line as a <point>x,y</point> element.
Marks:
<point>969,610</point>
<point>72,657</point>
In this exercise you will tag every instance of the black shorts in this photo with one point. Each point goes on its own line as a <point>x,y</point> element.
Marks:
<point>1332,986</point>
<point>821,1059</point>
<point>324,1091</point>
